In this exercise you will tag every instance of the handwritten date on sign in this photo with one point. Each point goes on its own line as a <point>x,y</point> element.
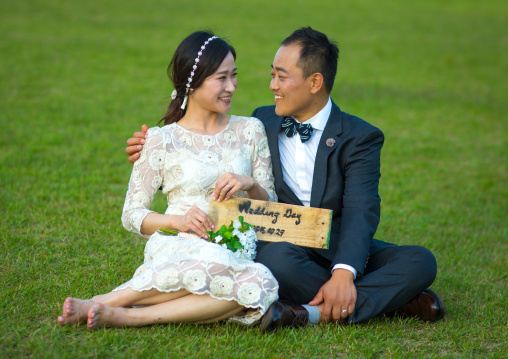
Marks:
<point>277,222</point>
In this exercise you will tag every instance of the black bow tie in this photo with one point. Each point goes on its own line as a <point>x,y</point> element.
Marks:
<point>291,126</point>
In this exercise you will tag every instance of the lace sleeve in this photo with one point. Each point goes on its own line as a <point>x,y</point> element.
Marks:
<point>145,180</point>
<point>261,159</point>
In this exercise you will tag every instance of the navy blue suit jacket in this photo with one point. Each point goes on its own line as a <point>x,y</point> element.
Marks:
<point>346,179</point>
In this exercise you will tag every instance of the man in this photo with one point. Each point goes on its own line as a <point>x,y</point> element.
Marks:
<point>323,157</point>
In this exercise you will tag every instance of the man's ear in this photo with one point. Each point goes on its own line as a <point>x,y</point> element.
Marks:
<point>316,83</point>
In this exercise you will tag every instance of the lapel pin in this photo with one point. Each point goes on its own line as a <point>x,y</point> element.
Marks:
<point>330,142</point>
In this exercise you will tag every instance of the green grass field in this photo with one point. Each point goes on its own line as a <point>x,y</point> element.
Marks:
<point>78,78</point>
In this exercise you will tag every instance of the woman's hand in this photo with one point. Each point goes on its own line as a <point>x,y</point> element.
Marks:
<point>195,220</point>
<point>229,184</point>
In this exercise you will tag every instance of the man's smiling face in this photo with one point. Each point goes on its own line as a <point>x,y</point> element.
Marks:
<point>292,91</point>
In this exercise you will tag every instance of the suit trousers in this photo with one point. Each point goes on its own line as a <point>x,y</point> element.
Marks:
<point>392,276</point>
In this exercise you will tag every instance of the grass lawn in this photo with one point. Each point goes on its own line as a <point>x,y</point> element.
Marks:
<point>77,78</point>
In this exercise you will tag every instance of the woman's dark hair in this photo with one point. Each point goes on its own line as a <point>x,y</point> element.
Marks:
<point>180,67</point>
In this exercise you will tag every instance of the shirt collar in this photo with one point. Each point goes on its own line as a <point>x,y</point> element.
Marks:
<point>320,119</point>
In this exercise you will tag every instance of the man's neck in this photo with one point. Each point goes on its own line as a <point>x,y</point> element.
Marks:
<point>317,105</point>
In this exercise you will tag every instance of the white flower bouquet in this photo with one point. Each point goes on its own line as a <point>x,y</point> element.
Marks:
<point>239,237</point>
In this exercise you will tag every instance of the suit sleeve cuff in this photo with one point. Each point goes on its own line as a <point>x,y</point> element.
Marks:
<point>344,266</point>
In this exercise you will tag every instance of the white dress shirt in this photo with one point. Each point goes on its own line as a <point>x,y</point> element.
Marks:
<point>297,161</point>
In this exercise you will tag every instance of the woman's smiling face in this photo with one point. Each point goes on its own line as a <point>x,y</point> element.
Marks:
<point>217,90</point>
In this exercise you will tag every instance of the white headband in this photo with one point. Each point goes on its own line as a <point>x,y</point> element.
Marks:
<point>194,67</point>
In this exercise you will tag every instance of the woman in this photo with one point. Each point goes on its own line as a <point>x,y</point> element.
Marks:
<point>200,154</point>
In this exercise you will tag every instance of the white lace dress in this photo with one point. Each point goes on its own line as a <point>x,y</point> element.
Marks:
<point>187,165</point>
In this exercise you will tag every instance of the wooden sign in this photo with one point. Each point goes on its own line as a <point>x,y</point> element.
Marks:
<point>277,222</point>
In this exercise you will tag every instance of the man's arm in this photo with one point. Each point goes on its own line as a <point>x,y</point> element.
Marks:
<point>135,144</point>
<point>361,204</point>
<point>360,216</point>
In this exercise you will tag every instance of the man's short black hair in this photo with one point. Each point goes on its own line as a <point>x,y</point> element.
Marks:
<point>318,54</point>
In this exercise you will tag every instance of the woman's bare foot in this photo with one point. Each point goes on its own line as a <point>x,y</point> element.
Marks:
<point>100,315</point>
<point>75,311</point>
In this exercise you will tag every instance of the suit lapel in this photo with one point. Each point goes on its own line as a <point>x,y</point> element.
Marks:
<point>272,130</point>
<point>273,127</point>
<point>328,143</point>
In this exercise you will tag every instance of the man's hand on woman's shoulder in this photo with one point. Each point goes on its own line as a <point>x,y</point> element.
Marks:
<point>135,144</point>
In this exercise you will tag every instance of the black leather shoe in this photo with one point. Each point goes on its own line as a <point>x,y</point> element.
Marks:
<point>426,306</point>
<point>283,314</point>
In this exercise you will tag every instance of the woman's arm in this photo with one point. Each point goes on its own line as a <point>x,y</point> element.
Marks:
<point>262,161</point>
<point>261,184</point>
<point>230,183</point>
<point>195,219</point>
<point>146,178</point>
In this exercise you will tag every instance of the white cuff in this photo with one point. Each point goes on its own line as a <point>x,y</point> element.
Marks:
<point>344,266</point>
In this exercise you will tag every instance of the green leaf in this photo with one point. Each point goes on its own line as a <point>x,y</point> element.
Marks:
<point>168,232</point>
<point>223,229</point>
<point>237,245</point>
